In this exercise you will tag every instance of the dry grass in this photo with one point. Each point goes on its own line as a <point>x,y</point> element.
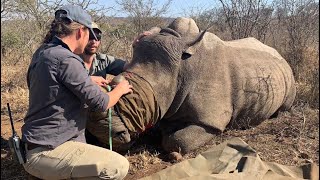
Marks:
<point>290,139</point>
<point>14,90</point>
<point>143,159</point>
<point>307,77</point>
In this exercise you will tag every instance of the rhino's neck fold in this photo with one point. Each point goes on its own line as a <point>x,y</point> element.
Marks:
<point>162,79</point>
<point>139,110</point>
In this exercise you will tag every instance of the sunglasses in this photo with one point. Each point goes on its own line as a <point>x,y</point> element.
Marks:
<point>98,35</point>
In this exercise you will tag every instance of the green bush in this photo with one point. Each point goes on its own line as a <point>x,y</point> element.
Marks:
<point>10,41</point>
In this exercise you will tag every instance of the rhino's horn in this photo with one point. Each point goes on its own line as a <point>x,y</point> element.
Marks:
<point>170,31</point>
<point>197,39</point>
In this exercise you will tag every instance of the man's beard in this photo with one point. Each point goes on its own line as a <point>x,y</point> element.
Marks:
<point>87,51</point>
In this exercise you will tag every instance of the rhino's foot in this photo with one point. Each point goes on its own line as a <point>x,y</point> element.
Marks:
<point>189,138</point>
<point>274,115</point>
<point>31,177</point>
<point>175,157</point>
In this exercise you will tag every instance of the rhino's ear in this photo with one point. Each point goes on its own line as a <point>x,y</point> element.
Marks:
<point>187,53</point>
<point>190,45</point>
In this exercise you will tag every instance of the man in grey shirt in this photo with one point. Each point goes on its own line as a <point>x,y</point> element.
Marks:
<point>60,88</point>
<point>98,66</point>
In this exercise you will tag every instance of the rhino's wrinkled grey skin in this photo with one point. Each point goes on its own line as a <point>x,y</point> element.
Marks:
<point>211,85</point>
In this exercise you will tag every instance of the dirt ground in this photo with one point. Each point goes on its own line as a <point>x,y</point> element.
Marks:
<point>290,139</point>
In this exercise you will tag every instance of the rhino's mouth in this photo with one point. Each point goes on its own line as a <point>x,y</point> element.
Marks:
<point>123,139</point>
<point>122,136</point>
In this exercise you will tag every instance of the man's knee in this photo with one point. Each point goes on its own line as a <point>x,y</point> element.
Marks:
<point>114,171</point>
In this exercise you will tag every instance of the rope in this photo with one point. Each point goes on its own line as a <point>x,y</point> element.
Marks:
<point>110,122</point>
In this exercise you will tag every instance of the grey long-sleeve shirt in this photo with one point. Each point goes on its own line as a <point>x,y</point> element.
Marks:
<point>59,91</point>
<point>104,64</point>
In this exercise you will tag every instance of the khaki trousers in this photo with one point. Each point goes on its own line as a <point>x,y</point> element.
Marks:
<point>76,160</point>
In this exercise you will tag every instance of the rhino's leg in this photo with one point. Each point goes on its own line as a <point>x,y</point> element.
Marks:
<point>186,139</point>
<point>288,102</point>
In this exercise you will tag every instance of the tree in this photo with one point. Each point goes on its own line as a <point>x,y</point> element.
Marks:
<point>29,21</point>
<point>144,13</point>
<point>211,18</point>
<point>96,9</point>
<point>296,36</point>
<point>300,20</point>
<point>7,6</point>
<point>247,17</point>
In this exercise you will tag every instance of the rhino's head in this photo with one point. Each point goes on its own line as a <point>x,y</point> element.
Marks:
<point>162,60</point>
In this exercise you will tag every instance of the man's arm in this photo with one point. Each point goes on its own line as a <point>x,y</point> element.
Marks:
<point>74,76</point>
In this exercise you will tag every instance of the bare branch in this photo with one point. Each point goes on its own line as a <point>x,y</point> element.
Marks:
<point>144,13</point>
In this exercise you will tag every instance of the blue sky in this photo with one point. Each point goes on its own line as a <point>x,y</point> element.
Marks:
<point>177,8</point>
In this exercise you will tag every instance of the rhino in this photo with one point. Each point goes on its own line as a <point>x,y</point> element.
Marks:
<point>193,85</point>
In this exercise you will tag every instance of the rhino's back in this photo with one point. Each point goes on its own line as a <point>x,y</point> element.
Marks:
<point>261,82</point>
<point>254,44</point>
<point>242,79</point>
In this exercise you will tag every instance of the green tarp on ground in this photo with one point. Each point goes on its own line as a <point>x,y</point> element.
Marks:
<point>235,160</point>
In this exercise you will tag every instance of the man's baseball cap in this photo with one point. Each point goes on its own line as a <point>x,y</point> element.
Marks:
<point>95,26</point>
<point>77,14</point>
<point>96,31</point>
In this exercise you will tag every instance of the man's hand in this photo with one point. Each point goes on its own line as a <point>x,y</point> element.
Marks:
<point>123,87</point>
<point>100,81</point>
